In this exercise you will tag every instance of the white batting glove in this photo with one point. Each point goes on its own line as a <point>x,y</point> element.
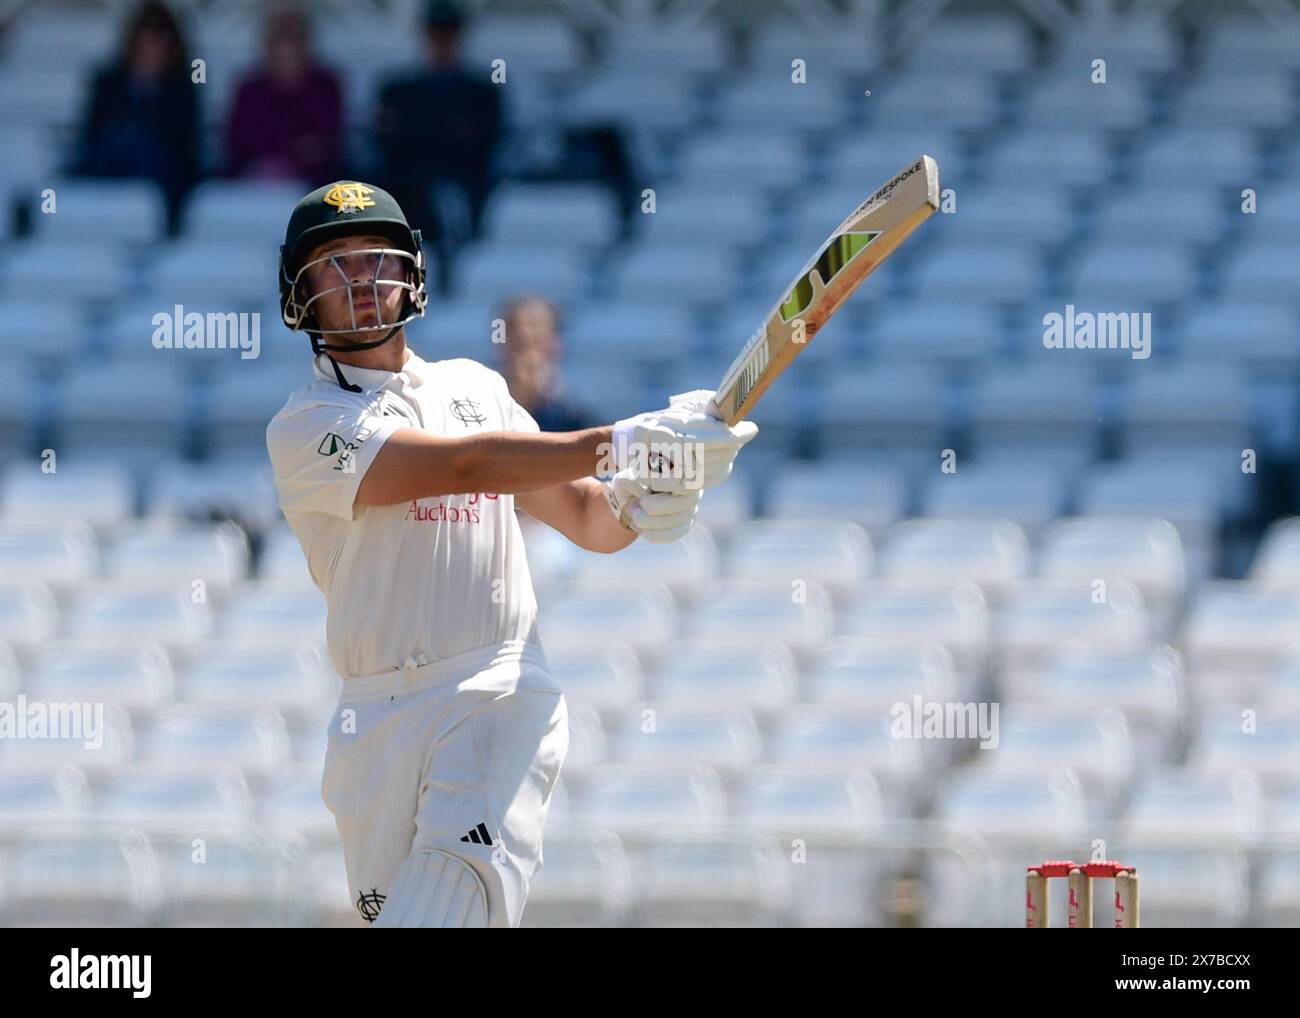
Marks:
<point>717,462</point>
<point>679,448</point>
<point>699,400</point>
<point>659,517</point>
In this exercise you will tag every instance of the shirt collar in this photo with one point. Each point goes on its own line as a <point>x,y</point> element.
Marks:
<point>415,370</point>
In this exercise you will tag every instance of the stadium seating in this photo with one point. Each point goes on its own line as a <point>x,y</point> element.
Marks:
<point>1098,566</point>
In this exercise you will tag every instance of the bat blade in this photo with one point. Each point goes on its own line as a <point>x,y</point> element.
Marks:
<point>848,256</point>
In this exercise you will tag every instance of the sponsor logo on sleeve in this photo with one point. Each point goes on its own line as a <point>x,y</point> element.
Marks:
<point>339,447</point>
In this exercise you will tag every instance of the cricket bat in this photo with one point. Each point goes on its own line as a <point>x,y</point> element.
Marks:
<point>849,255</point>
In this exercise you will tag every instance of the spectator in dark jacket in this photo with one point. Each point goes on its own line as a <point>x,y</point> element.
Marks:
<point>141,117</point>
<point>287,119</point>
<point>437,128</point>
<point>531,364</point>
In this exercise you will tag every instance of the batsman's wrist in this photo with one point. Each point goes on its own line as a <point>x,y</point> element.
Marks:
<point>620,510</point>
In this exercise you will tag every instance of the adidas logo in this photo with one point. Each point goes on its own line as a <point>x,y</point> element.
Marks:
<point>479,836</point>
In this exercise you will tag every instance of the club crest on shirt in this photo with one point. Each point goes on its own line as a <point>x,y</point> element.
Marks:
<point>467,411</point>
<point>369,904</point>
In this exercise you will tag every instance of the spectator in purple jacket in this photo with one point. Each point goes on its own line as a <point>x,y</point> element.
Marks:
<point>287,119</point>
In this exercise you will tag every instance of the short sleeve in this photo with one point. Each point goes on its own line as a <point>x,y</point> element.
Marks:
<point>520,419</point>
<point>515,416</point>
<point>321,452</point>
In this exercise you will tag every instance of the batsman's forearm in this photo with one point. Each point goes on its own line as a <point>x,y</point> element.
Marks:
<point>415,464</point>
<point>509,462</point>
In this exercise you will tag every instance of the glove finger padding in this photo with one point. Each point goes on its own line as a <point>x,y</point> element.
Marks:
<point>700,470</point>
<point>680,448</point>
<point>701,479</point>
<point>700,400</point>
<point>744,431</point>
<point>708,433</point>
<point>638,441</point>
<point>658,504</point>
<point>661,518</point>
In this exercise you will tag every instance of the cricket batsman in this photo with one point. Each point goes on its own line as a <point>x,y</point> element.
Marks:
<point>400,478</point>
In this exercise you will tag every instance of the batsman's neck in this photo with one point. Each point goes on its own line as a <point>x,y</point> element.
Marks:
<point>389,357</point>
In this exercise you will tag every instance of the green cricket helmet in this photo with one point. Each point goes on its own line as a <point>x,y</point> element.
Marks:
<point>346,208</point>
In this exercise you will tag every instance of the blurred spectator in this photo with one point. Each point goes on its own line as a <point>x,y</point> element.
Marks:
<point>287,120</point>
<point>436,131</point>
<point>532,355</point>
<point>142,116</point>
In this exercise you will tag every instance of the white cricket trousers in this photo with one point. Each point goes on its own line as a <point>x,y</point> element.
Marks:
<point>461,756</point>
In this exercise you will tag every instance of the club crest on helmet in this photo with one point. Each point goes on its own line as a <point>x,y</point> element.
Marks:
<point>349,196</point>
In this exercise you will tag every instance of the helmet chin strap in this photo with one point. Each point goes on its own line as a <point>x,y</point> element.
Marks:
<point>318,345</point>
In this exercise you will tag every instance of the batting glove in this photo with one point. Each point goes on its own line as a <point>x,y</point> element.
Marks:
<point>679,448</point>
<point>659,517</point>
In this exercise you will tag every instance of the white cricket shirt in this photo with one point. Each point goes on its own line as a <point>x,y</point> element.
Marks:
<point>436,577</point>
